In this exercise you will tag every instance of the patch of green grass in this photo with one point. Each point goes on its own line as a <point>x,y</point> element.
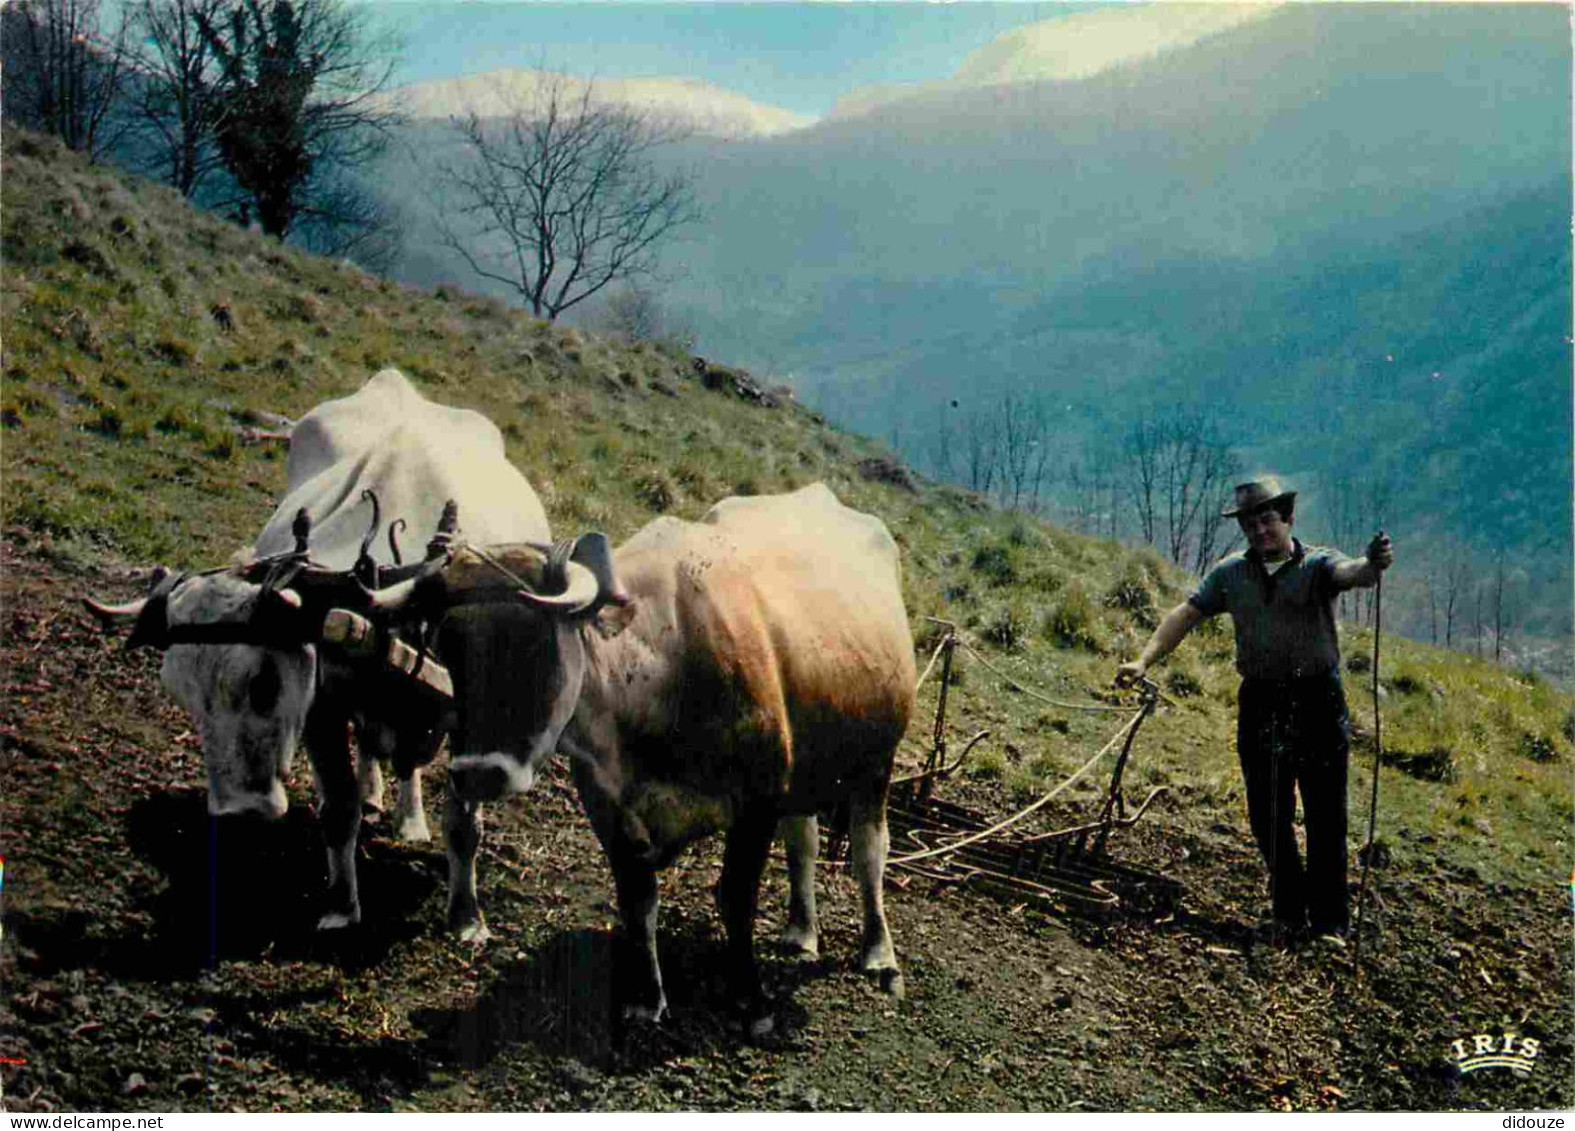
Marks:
<point>1073,621</point>
<point>993,562</point>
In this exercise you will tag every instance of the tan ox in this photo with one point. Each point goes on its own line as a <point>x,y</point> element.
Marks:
<point>754,666</point>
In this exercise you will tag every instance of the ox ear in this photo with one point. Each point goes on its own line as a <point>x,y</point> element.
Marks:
<point>610,620</point>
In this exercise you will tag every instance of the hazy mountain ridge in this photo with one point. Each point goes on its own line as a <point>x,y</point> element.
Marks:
<point>1270,208</point>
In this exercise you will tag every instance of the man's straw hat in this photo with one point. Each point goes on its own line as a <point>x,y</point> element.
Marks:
<point>1257,495</point>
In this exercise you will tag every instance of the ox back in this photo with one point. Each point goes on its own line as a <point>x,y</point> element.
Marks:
<point>780,664</point>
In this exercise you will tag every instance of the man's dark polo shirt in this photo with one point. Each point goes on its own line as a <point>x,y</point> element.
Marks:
<point>1285,620</point>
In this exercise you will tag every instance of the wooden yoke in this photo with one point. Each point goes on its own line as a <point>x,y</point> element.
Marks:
<point>359,638</point>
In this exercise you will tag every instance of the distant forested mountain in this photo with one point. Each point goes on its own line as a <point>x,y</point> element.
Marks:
<point>1343,229</point>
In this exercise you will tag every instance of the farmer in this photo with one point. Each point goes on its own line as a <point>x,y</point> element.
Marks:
<point>1292,728</point>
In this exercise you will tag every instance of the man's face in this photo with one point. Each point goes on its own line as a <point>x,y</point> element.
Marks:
<point>1267,533</point>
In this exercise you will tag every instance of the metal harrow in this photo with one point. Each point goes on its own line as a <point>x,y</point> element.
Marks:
<point>1068,871</point>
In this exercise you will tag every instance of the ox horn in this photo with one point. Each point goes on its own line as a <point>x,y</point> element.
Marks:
<point>397,597</point>
<point>589,579</point>
<point>141,613</point>
<point>579,593</point>
<point>113,616</point>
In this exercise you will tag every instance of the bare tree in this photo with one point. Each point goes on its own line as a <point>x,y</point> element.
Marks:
<point>344,217</point>
<point>1430,584</point>
<point>60,73</point>
<point>1477,592</point>
<point>297,103</point>
<point>1506,606</point>
<point>636,313</point>
<point>1213,536</point>
<point>1178,468</point>
<point>176,87</point>
<point>1202,470</point>
<point>981,448</point>
<point>1144,444</point>
<point>1083,492</point>
<point>1021,431</point>
<point>560,196</point>
<point>942,444</point>
<point>1456,577</point>
<point>633,313</point>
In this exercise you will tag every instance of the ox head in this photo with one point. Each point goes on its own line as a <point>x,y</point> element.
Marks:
<point>242,648</point>
<point>511,637</point>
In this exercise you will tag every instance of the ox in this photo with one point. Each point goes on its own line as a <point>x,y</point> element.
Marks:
<point>245,653</point>
<point>711,676</point>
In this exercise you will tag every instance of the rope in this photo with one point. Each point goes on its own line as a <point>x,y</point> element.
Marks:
<point>1037,805</point>
<point>501,568</point>
<point>1036,695</point>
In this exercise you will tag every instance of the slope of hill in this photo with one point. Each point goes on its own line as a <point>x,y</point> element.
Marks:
<point>137,978</point>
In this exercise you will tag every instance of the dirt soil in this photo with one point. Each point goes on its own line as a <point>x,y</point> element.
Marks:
<point>156,960</point>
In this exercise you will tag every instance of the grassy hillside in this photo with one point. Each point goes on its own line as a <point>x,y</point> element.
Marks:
<point>125,405</point>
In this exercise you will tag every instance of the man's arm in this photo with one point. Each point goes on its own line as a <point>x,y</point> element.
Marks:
<point>1171,632</point>
<point>1362,573</point>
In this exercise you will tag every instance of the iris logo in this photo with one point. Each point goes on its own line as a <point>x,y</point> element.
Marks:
<point>1510,1050</point>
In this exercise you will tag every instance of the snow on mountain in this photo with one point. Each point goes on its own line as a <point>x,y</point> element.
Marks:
<point>708,110</point>
<point>1073,47</point>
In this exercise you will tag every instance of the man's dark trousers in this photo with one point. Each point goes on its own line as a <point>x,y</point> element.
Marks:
<point>1294,734</point>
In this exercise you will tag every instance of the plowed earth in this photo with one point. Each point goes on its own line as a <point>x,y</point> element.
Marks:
<point>155,960</point>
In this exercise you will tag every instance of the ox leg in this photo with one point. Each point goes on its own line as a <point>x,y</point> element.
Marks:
<point>642,993</point>
<point>801,836</point>
<point>637,972</point>
<point>410,815</point>
<point>369,776</point>
<point>328,741</point>
<point>462,828</point>
<point>869,843</point>
<point>738,897</point>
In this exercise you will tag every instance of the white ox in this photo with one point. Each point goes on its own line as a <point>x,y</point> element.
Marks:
<point>755,666</point>
<point>263,686</point>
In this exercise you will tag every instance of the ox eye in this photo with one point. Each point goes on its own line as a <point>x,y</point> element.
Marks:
<point>264,689</point>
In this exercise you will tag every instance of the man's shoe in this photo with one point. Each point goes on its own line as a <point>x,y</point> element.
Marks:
<point>1328,943</point>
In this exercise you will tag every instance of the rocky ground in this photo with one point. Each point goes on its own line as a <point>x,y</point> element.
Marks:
<point>153,960</point>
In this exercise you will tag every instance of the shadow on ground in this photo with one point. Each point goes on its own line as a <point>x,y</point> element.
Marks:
<point>236,888</point>
<point>564,1000</point>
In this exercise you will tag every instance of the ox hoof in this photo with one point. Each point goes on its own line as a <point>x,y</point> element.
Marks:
<point>890,981</point>
<point>338,920</point>
<point>413,830</point>
<point>801,942</point>
<point>646,1014</point>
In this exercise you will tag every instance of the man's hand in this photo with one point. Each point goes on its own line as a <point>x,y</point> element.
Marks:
<point>1381,552</point>
<point>1128,674</point>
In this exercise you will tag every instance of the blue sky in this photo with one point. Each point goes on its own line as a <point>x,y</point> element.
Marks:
<point>801,56</point>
